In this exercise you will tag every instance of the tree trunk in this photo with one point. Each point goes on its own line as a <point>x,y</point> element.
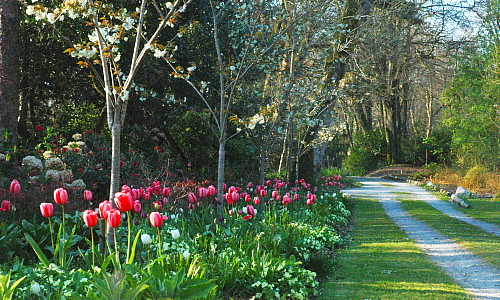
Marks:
<point>9,65</point>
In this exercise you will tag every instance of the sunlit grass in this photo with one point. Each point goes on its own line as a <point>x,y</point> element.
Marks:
<point>483,209</point>
<point>382,263</point>
<point>471,237</point>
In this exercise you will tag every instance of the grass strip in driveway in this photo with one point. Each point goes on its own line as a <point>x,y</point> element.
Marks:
<point>382,263</point>
<point>475,240</point>
<point>483,209</point>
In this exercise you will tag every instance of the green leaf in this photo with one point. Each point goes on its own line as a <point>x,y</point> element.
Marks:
<point>134,247</point>
<point>37,250</point>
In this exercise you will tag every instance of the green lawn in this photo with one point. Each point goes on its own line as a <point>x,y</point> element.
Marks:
<point>483,209</point>
<point>471,237</point>
<point>382,263</point>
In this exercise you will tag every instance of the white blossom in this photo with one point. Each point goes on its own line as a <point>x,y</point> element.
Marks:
<point>32,163</point>
<point>52,175</point>
<point>54,163</point>
<point>146,239</point>
<point>175,234</point>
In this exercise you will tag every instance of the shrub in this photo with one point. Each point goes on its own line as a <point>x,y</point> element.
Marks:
<point>366,154</point>
<point>476,177</point>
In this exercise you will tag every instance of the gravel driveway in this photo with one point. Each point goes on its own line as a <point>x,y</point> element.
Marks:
<point>471,272</point>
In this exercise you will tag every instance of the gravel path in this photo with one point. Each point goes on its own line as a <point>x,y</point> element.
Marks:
<point>476,276</point>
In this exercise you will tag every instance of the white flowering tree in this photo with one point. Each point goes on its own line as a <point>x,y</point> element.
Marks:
<point>109,30</point>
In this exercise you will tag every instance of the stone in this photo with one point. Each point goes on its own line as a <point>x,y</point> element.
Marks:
<point>461,191</point>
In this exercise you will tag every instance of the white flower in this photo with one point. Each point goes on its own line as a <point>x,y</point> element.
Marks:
<point>169,5</point>
<point>175,234</point>
<point>35,288</point>
<point>54,163</point>
<point>52,175</point>
<point>185,254</point>
<point>159,53</point>
<point>31,163</point>
<point>48,154</point>
<point>146,239</point>
<point>2,157</point>
<point>191,69</point>
<point>66,175</point>
<point>77,136</point>
<point>244,209</point>
<point>78,184</point>
<point>172,217</point>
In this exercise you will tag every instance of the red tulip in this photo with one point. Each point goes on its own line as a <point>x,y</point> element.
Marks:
<point>274,194</point>
<point>87,195</point>
<point>104,208</point>
<point>249,185</point>
<point>309,202</point>
<point>137,206</point>
<point>90,218</point>
<point>124,201</point>
<point>47,209</point>
<point>296,197</point>
<point>157,205</point>
<point>156,219</point>
<point>263,193</point>
<point>166,192</point>
<point>247,217</point>
<point>15,187</point>
<point>136,194</point>
<point>256,200</point>
<point>192,198</point>
<point>5,205</point>
<point>228,198</point>
<point>235,196</point>
<point>114,218</point>
<point>60,196</point>
<point>146,196</point>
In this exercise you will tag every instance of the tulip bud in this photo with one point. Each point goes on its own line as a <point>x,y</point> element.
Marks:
<point>47,209</point>
<point>104,208</point>
<point>157,205</point>
<point>145,239</point>
<point>5,206</point>
<point>114,218</point>
<point>87,195</point>
<point>61,196</point>
<point>15,187</point>
<point>175,234</point>
<point>90,218</point>
<point>124,201</point>
<point>192,198</point>
<point>137,206</point>
<point>35,288</point>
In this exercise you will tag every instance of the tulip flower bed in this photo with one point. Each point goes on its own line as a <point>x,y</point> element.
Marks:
<point>175,241</point>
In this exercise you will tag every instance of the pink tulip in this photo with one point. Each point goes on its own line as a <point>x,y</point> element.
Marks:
<point>5,206</point>
<point>87,195</point>
<point>211,191</point>
<point>15,187</point>
<point>249,185</point>
<point>146,196</point>
<point>126,189</point>
<point>137,206</point>
<point>202,192</point>
<point>250,210</point>
<point>192,198</point>
<point>61,196</point>
<point>166,191</point>
<point>274,194</point>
